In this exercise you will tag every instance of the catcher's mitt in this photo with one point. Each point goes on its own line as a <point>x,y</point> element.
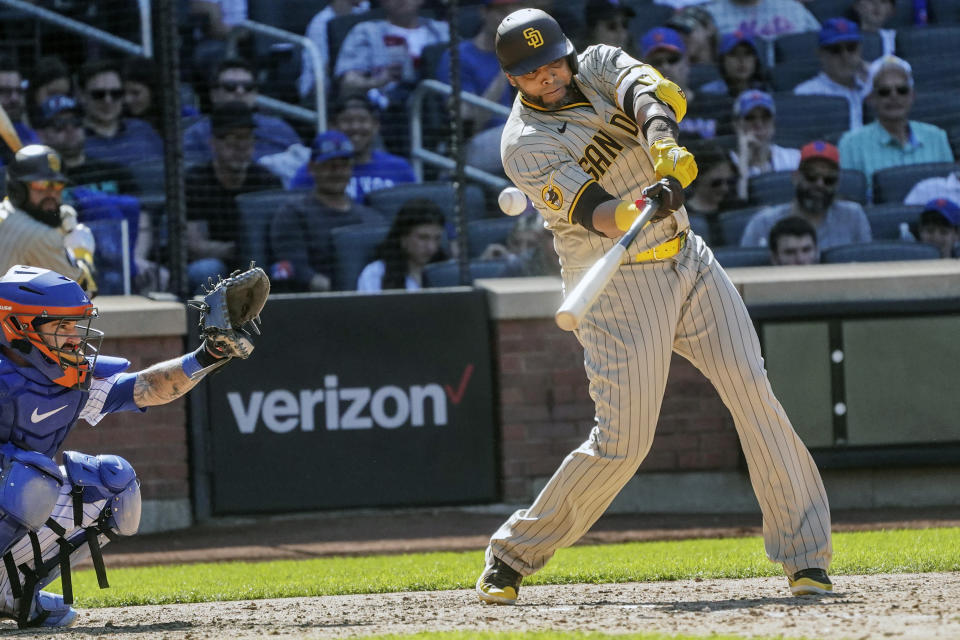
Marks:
<point>230,312</point>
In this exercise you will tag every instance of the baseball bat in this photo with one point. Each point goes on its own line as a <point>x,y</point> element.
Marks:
<point>8,133</point>
<point>579,301</point>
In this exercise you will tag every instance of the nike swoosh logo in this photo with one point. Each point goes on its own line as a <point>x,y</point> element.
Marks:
<point>563,127</point>
<point>675,154</point>
<point>37,417</point>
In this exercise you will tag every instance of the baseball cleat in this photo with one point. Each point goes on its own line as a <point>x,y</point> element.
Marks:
<point>499,583</point>
<point>810,582</point>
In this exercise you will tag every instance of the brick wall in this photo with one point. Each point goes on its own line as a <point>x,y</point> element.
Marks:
<point>545,411</point>
<point>155,442</point>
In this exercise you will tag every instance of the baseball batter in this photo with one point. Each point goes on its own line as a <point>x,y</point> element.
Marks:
<point>587,137</point>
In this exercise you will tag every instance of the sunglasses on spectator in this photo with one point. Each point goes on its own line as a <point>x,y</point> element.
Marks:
<point>729,183</point>
<point>43,185</point>
<point>885,92</point>
<point>837,49</point>
<point>233,87</point>
<point>762,116</point>
<point>12,91</point>
<point>64,124</point>
<point>827,179</point>
<point>103,94</point>
<point>674,59</point>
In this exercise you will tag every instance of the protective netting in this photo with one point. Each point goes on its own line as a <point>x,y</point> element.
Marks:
<point>369,202</point>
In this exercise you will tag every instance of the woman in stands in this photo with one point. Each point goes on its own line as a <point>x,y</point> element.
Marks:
<point>414,240</point>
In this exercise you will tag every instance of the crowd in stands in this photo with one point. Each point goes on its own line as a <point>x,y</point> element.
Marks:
<point>801,115</point>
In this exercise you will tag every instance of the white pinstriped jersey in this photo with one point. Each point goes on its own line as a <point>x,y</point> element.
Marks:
<point>26,240</point>
<point>100,388</point>
<point>554,156</point>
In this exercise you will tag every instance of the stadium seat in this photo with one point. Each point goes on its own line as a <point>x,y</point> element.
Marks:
<point>944,12</point>
<point>482,233</point>
<point>389,201</point>
<point>928,41</point>
<point>149,175</point>
<point>886,219</point>
<point>700,226</point>
<point>731,225</point>
<point>786,75</point>
<point>929,104</point>
<point>880,251</point>
<point>447,274</point>
<point>353,248</point>
<point>801,119</point>
<point>893,184</point>
<point>776,187</point>
<point>256,211</point>
<point>742,256</point>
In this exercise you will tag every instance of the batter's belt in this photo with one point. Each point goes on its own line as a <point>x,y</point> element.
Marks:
<point>662,251</point>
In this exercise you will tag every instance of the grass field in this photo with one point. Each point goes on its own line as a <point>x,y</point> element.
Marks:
<point>898,551</point>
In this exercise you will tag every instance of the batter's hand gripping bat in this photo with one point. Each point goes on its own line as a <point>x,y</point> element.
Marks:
<point>8,133</point>
<point>579,301</point>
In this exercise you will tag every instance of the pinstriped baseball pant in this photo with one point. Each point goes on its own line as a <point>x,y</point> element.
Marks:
<point>688,305</point>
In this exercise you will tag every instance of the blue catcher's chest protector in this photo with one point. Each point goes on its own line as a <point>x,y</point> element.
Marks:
<point>35,413</point>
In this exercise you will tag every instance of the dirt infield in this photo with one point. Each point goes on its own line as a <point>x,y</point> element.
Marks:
<point>878,606</point>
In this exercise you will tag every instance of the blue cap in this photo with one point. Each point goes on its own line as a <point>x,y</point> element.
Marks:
<point>54,105</point>
<point>730,40</point>
<point>836,30</point>
<point>662,38</point>
<point>751,99</point>
<point>947,208</point>
<point>329,145</point>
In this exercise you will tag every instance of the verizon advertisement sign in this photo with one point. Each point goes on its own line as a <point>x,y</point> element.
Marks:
<point>355,401</point>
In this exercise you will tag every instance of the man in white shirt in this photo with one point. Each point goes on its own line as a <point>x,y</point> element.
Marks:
<point>933,188</point>
<point>317,32</point>
<point>754,113</point>
<point>844,72</point>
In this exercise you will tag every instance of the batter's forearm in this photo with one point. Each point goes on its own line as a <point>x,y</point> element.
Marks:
<point>655,119</point>
<point>162,383</point>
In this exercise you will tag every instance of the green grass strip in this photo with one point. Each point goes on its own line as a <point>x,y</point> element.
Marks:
<point>898,551</point>
<point>551,635</point>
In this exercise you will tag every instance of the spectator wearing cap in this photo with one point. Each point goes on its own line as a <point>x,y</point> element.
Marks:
<point>714,190</point>
<point>234,80</point>
<point>843,71</point>
<point>663,49</point>
<point>210,190</point>
<point>109,135</point>
<point>892,140</point>
<point>754,115</point>
<point>740,66</point>
<point>815,188</point>
<point>479,69</point>
<point>300,234</point>
<point>939,225</point>
<point>695,25</point>
<point>765,18</point>
<point>793,241</point>
<point>373,168</point>
<point>13,99</point>
<point>59,122</point>
<point>317,33</point>
<point>608,22</point>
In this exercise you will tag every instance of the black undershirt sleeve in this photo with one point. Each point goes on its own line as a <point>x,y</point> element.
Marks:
<point>582,213</point>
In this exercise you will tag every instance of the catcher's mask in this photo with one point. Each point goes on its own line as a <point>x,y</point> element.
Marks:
<point>530,38</point>
<point>45,317</point>
<point>34,163</point>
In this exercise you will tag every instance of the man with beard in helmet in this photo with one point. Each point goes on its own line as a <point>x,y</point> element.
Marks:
<point>815,182</point>
<point>589,138</point>
<point>36,228</point>
<point>51,377</point>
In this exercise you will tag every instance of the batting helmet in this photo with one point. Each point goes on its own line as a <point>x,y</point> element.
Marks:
<point>32,162</point>
<point>530,38</point>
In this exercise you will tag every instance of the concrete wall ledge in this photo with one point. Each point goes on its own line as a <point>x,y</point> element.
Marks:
<point>528,298</point>
<point>137,316</point>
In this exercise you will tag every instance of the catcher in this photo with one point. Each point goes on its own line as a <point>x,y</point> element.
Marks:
<point>51,375</point>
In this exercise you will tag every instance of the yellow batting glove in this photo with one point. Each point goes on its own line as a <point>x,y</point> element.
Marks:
<point>673,161</point>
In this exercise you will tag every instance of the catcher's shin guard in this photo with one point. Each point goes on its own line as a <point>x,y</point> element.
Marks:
<point>107,481</point>
<point>29,485</point>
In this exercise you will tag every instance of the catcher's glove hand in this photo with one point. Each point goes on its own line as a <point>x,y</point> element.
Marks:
<point>230,312</point>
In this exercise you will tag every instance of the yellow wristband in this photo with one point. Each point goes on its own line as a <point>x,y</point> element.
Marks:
<point>625,214</point>
<point>82,254</point>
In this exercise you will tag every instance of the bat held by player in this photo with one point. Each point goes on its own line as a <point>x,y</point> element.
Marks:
<point>581,298</point>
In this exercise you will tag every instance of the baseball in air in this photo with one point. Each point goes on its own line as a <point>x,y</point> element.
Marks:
<point>512,201</point>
